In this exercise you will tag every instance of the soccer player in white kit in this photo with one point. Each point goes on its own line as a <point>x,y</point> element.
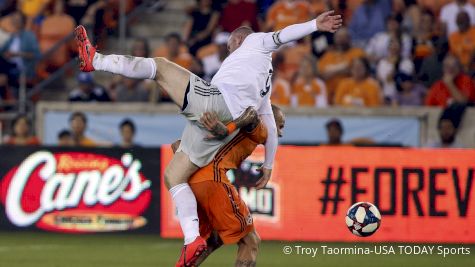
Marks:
<point>243,81</point>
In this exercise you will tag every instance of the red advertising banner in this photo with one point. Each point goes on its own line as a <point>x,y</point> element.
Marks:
<point>78,190</point>
<point>423,195</point>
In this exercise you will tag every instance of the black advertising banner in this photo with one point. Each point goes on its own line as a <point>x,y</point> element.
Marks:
<point>79,190</point>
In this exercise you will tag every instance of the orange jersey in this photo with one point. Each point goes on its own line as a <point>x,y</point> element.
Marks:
<point>307,92</point>
<point>230,156</point>
<point>332,60</point>
<point>280,92</point>
<point>463,45</point>
<point>353,93</point>
<point>281,15</point>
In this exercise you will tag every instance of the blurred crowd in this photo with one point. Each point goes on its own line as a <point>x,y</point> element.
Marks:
<point>390,52</point>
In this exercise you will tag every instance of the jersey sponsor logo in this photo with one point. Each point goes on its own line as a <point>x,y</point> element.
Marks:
<point>268,84</point>
<point>76,192</point>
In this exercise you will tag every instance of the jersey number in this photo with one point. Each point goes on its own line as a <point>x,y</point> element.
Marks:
<point>268,83</point>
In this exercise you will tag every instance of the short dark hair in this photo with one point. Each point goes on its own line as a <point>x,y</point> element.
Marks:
<point>64,133</point>
<point>128,122</point>
<point>78,114</point>
<point>334,123</point>
<point>453,113</point>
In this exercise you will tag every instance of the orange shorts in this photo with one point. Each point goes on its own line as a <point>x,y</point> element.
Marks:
<point>221,209</point>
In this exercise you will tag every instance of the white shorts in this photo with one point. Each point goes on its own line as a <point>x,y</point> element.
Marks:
<point>200,97</point>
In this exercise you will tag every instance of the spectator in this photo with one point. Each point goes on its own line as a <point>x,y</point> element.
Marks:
<point>200,26</point>
<point>132,90</point>
<point>124,90</point>
<point>65,138</point>
<point>308,90</point>
<point>431,69</point>
<point>449,12</point>
<point>287,12</point>
<point>334,132</point>
<point>409,93</point>
<point>390,66</point>
<point>360,89</point>
<point>238,13</point>
<point>213,55</point>
<point>462,42</point>
<point>88,90</point>
<point>335,64</point>
<point>54,28</point>
<point>127,133</point>
<point>410,11</point>
<point>455,87</point>
<point>378,46</point>
<point>368,19</point>
<point>22,48</point>
<point>78,124</point>
<point>424,37</point>
<point>448,125</point>
<point>447,135</point>
<point>21,133</point>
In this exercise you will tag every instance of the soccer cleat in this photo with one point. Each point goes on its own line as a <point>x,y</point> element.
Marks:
<point>85,49</point>
<point>191,252</point>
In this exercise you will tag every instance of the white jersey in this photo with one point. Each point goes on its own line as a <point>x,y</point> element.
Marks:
<point>244,78</point>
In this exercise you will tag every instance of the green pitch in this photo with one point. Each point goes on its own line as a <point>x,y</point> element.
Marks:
<point>56,250</point>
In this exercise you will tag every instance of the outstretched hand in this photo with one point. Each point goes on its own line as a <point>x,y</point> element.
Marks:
<point>328,22</point>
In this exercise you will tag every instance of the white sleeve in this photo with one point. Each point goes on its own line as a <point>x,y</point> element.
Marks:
<point>294,32</point>
<point>267,116</point>
<point>271,142</point>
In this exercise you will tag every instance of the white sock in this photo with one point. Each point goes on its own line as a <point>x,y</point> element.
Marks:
<point>185,202</point>
<point>129,66</point>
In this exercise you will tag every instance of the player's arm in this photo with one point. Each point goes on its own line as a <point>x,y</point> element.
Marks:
<point>249,120</point>
<point>326,22</point>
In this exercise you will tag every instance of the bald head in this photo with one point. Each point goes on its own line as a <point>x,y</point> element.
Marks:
<point>237,37</point>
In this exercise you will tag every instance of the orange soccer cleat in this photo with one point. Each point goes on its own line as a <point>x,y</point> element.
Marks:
<point>191,252</point>
<point>85,49</point>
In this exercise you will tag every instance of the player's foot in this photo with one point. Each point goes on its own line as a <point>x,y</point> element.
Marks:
<point>191,252</point>
<point>85,49</point>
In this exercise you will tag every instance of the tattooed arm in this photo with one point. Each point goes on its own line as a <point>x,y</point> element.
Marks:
<point>248,121</point>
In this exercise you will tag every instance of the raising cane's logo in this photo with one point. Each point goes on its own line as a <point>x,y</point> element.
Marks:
<point>76,192</point>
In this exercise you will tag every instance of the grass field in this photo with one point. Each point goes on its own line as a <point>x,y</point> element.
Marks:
<point>56,250</point>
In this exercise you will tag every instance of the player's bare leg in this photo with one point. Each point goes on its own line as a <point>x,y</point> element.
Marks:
<point>248,250</point>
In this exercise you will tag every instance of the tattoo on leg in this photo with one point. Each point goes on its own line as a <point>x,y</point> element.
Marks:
<point>245,263</point>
